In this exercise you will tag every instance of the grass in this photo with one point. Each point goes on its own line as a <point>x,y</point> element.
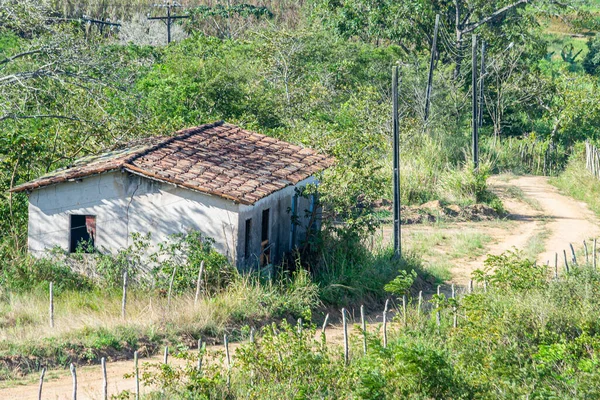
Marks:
<point>524,337</point>
<point>536,244</point>
<point>578,183</point>
<point>441,246</point>
<point>88,325</point>
<point>517,193</point>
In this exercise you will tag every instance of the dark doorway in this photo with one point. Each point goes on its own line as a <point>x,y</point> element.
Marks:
<point>83,233</point>
<point>265,257</point>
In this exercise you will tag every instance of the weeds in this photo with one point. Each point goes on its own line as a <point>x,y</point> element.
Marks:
<point>525,337</point>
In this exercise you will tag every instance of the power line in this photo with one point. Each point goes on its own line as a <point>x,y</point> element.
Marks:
<point>168,20</point>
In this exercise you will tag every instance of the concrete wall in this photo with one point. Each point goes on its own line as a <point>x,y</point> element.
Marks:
<point>124,204</point>
<point>280,225</point>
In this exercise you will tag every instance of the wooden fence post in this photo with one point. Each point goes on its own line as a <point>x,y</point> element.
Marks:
<point>104,379</point>
<point>74,375</point>
<point>299,326</point>
<point>137,375</point>
<point>385,310</point>
<point>587,259</point>
<point>41,383</point>
<point>454,316</point>
<point>364,328</point>
<point>420,303</point>
<point>346,347</point>
<point>404,310</point>
<point>199,282</point>
<point>438,317</point>
<point>471,286</point>
<point>51,310</point>
<point>573,253</point>
<point>124,302</point>
<point>325,323</point>
<point>171,287</point>
<point>200,354</point>
<point>566,262</point>
<point>594,258</point>
<point>227,355</point>
<point>166,355</point>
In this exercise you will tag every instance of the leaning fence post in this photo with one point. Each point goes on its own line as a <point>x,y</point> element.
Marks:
<point>364,328</point>
<point>573,253</point>
<point>124,302</point>
<point>74,375</point>
<point>41,383</point>
<point>137,375</point>
<point>166,355</point>
<point>566,262</point>
<point>385,310</point>
<point>51,310</point>
<point>587,259</point>
<point>346,347</point>
<point>104,380</point>
<point>471,286</point>
<point>199,282</point>
<point>325,326</point>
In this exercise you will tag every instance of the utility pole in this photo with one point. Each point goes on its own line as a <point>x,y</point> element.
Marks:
<point>431,65</point>
<point>481,80</point>
<point>395,123</point>
<point>474,100</point>
<point>168,20</point>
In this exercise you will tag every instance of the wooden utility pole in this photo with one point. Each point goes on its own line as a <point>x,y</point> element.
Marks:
<point>431,65</point>
<point>481,79</point>
<point>475,116</point>
<point>168,20</point>
<point>395,123</point>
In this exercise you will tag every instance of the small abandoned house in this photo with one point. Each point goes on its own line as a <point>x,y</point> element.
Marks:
<point>235,186</point>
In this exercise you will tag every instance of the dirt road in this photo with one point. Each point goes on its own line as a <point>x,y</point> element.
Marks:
<point>542,215</point>
<point>539,213</point>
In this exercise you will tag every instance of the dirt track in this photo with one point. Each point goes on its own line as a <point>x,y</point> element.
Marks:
<point>558,219</point>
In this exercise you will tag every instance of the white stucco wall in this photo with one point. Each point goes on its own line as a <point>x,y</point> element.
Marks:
<point>123,204</point>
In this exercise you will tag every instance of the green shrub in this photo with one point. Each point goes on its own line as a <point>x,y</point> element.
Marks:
<point>183,253</point>
<point>511,270</point>
<point>31,274</point>
<point>466,185</point>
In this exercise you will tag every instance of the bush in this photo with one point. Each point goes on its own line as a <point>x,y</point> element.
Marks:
<point>183,254</point>
<point>466,185</point>
<point>511,270</point>
<point>31,274</point>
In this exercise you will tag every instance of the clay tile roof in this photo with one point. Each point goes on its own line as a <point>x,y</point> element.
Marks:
<point>219,159</point>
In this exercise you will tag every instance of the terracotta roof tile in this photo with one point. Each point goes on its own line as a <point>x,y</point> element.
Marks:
<point>219,159</point>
